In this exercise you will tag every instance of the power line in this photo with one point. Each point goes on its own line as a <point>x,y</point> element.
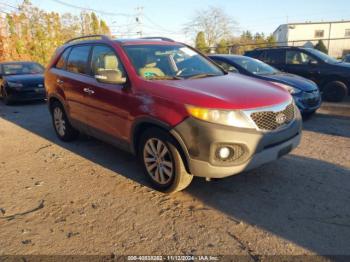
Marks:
<point>91,9</point>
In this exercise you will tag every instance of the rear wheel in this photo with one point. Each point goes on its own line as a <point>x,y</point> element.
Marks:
<point>62,126</point>
<point>335,91</point>
<point>162,161</point>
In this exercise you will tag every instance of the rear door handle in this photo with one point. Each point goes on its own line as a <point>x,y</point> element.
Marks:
<point>59,81</point>
<point>89,91</point>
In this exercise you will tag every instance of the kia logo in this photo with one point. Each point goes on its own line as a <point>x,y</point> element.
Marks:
<point>281,118</point>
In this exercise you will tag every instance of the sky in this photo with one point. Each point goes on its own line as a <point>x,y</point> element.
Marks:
<point>167,18</point>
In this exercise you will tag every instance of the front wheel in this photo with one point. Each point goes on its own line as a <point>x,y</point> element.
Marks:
<point>335,91</point>
<point>162,161</point>
<point>62,126</point>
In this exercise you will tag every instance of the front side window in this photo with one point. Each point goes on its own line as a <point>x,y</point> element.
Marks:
<point>226,66</point>
<point>157,62</point>
<point>295,57</point>
<point>254,66</point>
<point>78,60</point>
<point>106,66</point>
<point>22,69</point>
<point>319,33</point>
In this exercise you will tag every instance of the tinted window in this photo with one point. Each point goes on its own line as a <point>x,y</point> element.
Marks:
<point>105,64</point>
<point>78,60</point>
<point>61,64</point>
<point>273,57</point>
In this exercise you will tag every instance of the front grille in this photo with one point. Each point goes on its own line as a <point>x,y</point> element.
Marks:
<point>270,120</point>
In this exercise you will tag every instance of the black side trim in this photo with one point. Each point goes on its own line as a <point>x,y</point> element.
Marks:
<point>138,123</point>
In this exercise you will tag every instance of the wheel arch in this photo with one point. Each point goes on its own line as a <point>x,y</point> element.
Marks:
<point>144,123</point>
<point>333,78</point>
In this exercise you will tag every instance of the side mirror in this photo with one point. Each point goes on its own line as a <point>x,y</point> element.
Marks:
<point>232,70</point>
<point>313,62</point>
<point>110,77</point>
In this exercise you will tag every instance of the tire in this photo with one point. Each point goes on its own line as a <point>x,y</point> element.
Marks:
<point>308,115</point>
<point>61,124</point>
<point>172,175</point>
<point>335,91</point>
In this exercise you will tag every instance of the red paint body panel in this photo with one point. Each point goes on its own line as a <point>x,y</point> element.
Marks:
<point>114,109</point>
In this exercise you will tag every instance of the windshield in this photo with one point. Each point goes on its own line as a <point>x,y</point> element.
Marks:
<point>22,69</point>
<point>159,62</point>
<point>254,66</point>
<point>325,58</point>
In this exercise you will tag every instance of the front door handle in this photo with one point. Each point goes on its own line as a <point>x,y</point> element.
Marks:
<point>89,91</point>
<point>59,81</point>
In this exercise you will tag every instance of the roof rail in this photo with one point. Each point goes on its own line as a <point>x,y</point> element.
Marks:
<point>158,38</point>
<point>278,46</point>
<point>103,37</point>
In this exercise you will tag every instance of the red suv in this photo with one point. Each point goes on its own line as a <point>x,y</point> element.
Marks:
<point>182,114</point>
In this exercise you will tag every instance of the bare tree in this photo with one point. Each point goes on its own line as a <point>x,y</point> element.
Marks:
<point>215,24</point>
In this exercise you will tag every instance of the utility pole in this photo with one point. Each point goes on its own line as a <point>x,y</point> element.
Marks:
<point>139,20</point>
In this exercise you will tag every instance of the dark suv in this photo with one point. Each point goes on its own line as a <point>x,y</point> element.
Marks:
<point>332,76</point>
<point>179,112</point>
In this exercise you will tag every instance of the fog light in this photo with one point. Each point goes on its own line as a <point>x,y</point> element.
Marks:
<point>224,152</point>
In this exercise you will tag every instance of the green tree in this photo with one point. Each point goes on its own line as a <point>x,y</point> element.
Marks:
<point>321,47</point>
<point>201,43</point>
<point>222,47</point>
<point>104,29</point>
<point>95,24</point>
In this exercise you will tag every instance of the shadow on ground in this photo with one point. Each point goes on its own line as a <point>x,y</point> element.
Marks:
<point>300,199</point>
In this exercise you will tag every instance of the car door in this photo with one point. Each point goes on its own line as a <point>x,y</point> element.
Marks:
<point>73,81</point>
<point>107,102</point>
<point>303,64</point>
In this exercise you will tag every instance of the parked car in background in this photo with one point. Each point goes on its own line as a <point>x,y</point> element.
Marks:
<point>21,81</point>
<point>182,114</point>
<point>304,91</point>
<point>331,75</point>
<point>346,58</point>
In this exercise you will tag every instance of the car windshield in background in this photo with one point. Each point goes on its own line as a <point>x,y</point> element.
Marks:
<point>324,57</point>
<point>254,66</point>
<point>164,62</point>
<point>22,69</point>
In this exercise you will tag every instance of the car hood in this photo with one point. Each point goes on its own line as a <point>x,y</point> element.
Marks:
<point>26,79</point>
<point>231,91</point>
<point>292,80</point>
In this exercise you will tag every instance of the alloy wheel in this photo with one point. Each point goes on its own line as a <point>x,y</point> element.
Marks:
<point>60,123</point>
<point>158,161</point>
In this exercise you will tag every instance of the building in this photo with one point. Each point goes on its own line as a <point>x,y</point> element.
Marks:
<point>309,33</point>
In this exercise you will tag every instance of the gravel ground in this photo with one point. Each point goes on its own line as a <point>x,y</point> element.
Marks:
<point>87,197</point>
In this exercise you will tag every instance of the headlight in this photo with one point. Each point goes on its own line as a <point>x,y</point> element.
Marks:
<point>223,117</point>
<point>14,84</point>
<point>292,90</point>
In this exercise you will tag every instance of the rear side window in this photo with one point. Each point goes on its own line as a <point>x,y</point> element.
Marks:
<point>273,56</point>
<point>61,64</point>
<point>78,60</point>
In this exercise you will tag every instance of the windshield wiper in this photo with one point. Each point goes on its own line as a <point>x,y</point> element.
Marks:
<point>201,76</point>
<point>164,78</point>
